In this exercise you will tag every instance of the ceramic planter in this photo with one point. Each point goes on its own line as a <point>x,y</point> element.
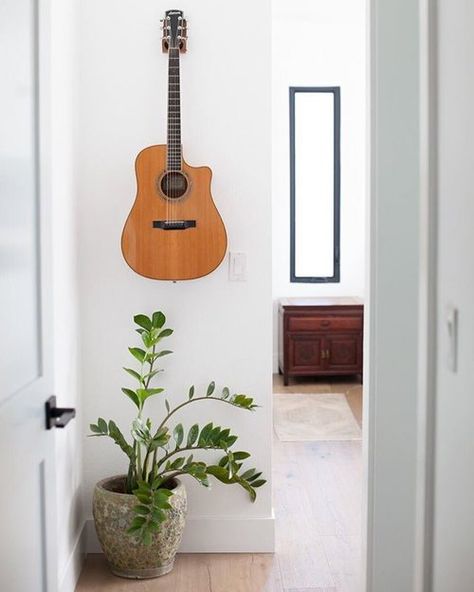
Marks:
<point>128,557</point>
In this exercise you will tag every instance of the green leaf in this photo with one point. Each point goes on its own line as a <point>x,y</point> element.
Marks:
<point>157,482</point>
<point>191,392</point>
<point>225,392</point>
<point>144,394</point>
<point>248,474</point>
<point>133,373</point>
<point>214,436</point>
<point>165,352</point>
<point>231,440</point>
<point>259,483</point>
<point>165,333</point>
<point>224,434</point>
<point>143,497</point>
<point>141,432</point>
<point>158,320</point>
<point>141,509</point>
<point>167,405</point>
<point>161,438</point>
<point>241,455</point>
<point>95,428</point>
<point>138,521</point>
<point>222,475</point>
<point>192,435</point>
<point>178,434</point>
<point>118,438</point>
<point>137,353</point>
<point>206,430</point>
<point>146,538</point>
<point>143,321</point>
<point>159,515</point>
<point>102,425</point>
<point>210,389</point>
<point>161,495</point>
<point>132,395</point>
<point>177,463</point>
<point>148,341</point>
<point>134,530</point>
<point>243,402</point>
<point>150,375</point>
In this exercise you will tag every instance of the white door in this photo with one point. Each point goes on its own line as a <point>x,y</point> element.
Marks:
<point>454,447</point>
<point>27,488</point>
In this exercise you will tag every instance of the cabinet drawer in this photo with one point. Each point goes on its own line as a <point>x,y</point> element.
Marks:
<point>304,323</point>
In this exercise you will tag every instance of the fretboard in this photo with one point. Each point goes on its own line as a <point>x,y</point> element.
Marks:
<point>174,112</point>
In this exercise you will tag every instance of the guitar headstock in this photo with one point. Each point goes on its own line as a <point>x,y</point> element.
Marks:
<point>175,31</point>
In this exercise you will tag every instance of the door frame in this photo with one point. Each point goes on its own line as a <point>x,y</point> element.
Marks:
<point>381,556</point>
<point>45,213</point>
<point>428,346</point>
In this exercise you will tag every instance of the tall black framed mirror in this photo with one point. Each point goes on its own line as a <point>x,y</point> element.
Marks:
<point>315,184</point>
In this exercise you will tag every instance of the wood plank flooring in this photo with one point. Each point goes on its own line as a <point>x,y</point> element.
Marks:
<point>317,497</point>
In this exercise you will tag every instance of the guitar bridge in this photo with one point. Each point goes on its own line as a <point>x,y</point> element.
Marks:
<point>174,224</point>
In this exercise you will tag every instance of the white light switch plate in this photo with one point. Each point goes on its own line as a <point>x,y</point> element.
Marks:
<point>237,267</point>
<point>452,318</point>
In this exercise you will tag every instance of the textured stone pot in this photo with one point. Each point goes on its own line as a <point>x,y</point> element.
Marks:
<point>127,556</point>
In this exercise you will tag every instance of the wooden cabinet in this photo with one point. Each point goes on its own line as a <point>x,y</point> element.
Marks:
<point>320,336</point>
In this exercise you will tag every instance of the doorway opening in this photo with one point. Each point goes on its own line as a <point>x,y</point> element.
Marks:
<point>319,95</point>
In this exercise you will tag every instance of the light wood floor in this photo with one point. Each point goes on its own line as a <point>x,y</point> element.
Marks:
<point>318,524</point>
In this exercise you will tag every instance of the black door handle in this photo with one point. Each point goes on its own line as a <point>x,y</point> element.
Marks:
<point>57,417</point>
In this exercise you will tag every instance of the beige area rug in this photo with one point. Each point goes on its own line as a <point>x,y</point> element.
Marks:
<point>312,417</point>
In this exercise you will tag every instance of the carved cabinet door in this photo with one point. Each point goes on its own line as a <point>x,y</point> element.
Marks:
<point>344,352</point>
<point>306,352</point>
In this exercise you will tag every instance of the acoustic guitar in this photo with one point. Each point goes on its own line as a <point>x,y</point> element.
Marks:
<point>174,231</point>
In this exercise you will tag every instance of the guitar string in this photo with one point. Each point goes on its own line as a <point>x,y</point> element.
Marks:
<point>178,111</point>
<point>177,115</point>
<point>175,124</point>
<point>168,148</point>
<point>167,127</point>
<point>167,133</point>
<point>172,130</point>
<point>172,188</point>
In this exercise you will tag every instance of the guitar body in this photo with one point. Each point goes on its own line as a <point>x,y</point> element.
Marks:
<point>174,237</point>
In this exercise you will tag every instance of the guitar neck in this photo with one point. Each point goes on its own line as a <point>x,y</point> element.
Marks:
<point>174,152</point>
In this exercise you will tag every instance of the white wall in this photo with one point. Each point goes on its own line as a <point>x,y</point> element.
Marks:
<point>453,536</point>
<point>66,293</point>
<point>319,43</point>
<point>222,328</point>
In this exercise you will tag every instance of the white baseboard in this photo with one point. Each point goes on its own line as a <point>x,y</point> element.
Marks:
<point>222,535</point>
<point>72,571</point>
<point>275,362</point>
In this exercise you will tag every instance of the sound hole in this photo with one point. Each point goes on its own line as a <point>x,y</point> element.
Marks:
<point>174,184</point>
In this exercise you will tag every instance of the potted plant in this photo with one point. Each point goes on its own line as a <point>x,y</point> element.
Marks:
<point>140,516</point>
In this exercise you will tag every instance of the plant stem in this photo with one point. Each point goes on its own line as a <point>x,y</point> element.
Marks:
<point>187,403</point>
<point>145,465</point>
<point>186,449</point>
